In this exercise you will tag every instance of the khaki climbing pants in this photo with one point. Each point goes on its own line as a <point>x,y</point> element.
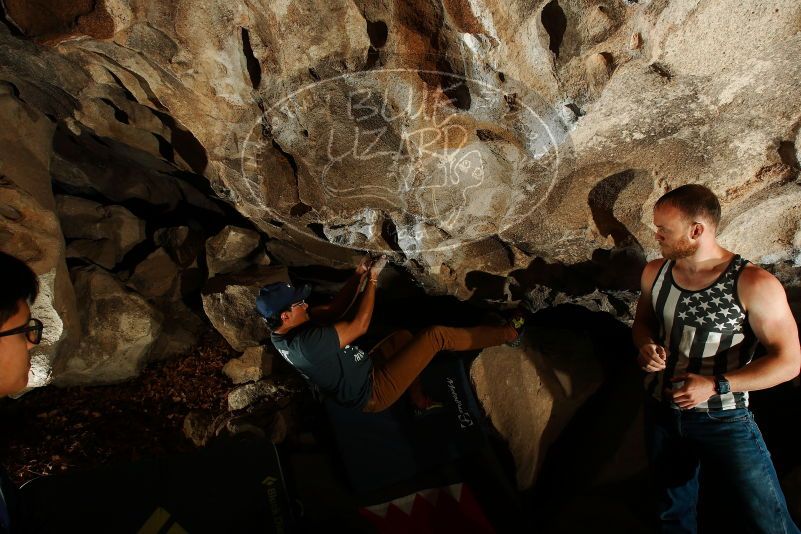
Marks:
<point>400,357</point>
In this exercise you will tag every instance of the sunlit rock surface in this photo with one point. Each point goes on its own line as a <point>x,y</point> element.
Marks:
<point>460,136</point>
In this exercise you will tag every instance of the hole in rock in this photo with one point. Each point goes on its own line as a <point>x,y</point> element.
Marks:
<point>788,154</point>
<point>373,57</point>
<point>317,228</point>
<point>488,135</point>
<point>377,32</point>
<point>185,143</point>
<point>577,111</point>
<point>254,68</point>
<point>661,70</point>
<point>610,61</point>
<point>454,86</point>
<point>165,149</point>
<point>555,23</point>
<point>299,210</point>
<point>389,232</point>
<point>289,157</point>
<point>119,114</point>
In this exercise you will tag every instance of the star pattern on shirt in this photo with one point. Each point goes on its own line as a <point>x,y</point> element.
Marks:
<point>712,308</point>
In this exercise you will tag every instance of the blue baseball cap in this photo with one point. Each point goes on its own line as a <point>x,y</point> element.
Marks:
<point>275,298</point>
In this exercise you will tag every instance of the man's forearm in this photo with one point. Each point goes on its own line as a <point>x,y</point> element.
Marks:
<point>765,372</point>
<point>366,302</point>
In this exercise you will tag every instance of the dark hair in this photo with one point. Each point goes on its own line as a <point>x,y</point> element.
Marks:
<point>695,200</point>
<point>19,282</point>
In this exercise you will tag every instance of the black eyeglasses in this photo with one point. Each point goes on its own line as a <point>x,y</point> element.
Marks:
<point>32,330</point>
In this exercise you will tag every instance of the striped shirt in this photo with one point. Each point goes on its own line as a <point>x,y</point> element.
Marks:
<point>706,332</point>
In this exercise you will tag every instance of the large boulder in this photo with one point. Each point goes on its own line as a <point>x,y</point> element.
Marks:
<point>182,243</point>
<point>230,304</point>
<point>530,393</point>
<point>255,363</point>
<point>119,329</point>
<point>266,390</point>
<point>29,228</point>
<point>229,250</point>
<point>163,284</point>
<point>156,276</point>
<point>101,234</point>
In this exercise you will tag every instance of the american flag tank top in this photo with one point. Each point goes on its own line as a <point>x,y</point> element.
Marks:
<point>706,332</point>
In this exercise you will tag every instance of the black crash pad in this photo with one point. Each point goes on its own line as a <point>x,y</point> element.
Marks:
<point>379,449</point>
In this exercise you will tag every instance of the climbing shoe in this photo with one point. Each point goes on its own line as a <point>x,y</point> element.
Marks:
<point>517,319</point>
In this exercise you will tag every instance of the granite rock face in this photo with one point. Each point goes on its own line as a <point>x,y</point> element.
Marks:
<point>29,227</point>
<point>230,304</point>
<point>119,328</point>
<point>530,393</point>
<point>229,250</point>
<point>101,234</point>
<point>255,363</point>
<point>462,137</point>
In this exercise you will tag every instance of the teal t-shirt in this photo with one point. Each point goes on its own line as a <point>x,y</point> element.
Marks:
<point>345,374</point>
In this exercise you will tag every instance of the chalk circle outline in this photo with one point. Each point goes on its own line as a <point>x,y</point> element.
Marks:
<point>554,145</point>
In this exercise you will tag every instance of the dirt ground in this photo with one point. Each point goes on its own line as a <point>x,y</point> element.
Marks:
<point>54,430</point>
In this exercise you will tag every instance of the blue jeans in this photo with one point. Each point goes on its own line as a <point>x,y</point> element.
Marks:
<point>728,446</point>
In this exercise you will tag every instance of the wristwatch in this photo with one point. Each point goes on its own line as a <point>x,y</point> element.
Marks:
<point>722,385</point>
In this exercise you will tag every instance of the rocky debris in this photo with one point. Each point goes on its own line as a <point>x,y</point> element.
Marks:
<point>263,422</point>
<point>255,363</point>
<point>101,234</point>
<point>182,326</point>
<point>198,427</point>
<point>55,430</point>
<point>183,244</point>
<point>229,250</point>
<point>156,276</point>
<point>620,304</point>
<point>266,420</point>
<point>230,304</point>
<point>530,393</point>
<point>262,391</point>
<point>119,329</point>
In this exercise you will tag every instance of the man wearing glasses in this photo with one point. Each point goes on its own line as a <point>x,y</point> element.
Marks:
<point>18,334</point>
<point>318,342</point>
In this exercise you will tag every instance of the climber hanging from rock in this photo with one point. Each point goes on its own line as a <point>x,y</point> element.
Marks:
<point>318,341</point>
